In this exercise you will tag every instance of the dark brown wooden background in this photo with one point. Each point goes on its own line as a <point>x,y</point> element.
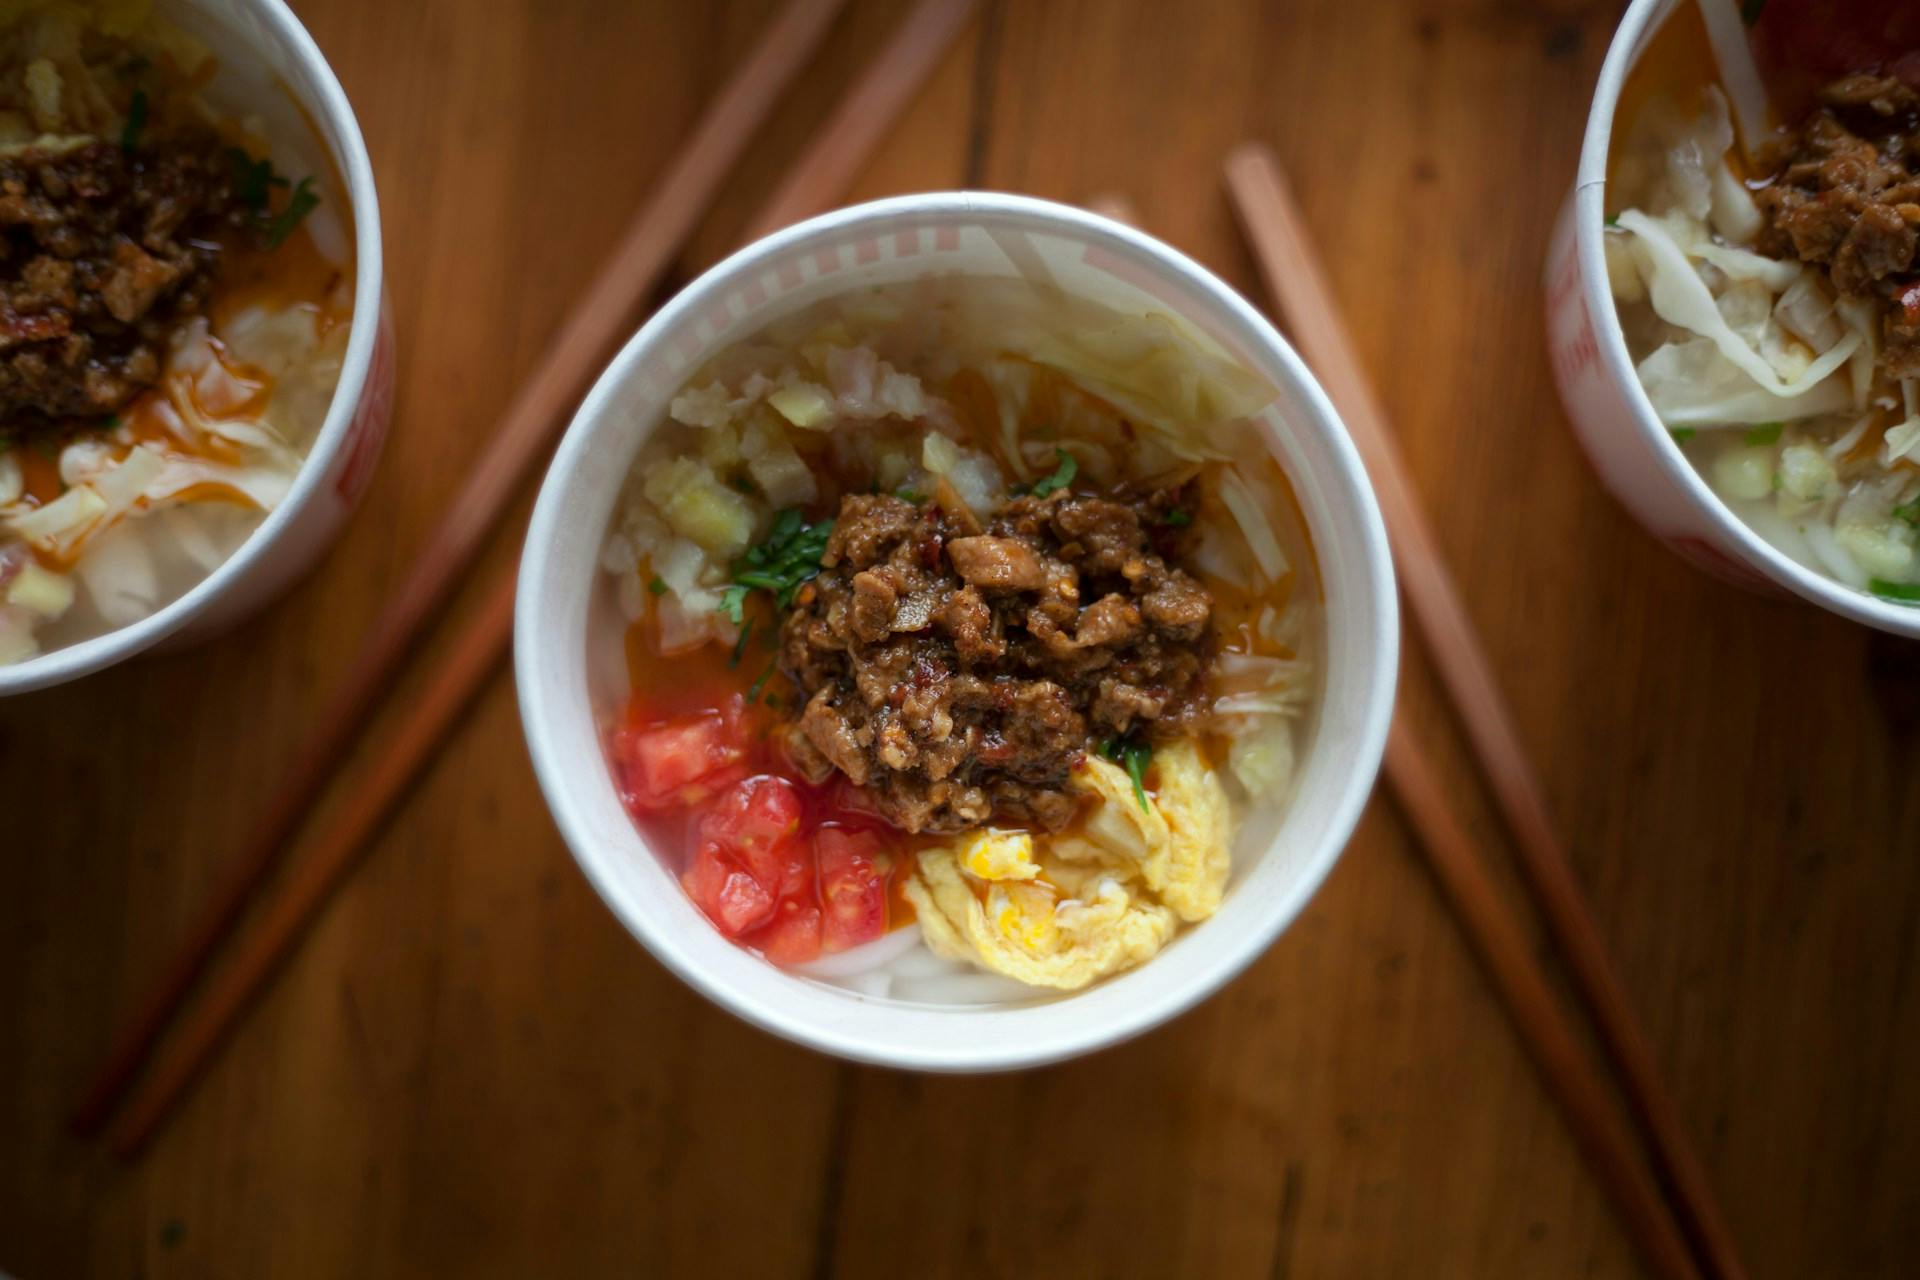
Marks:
<point>471,1069</point>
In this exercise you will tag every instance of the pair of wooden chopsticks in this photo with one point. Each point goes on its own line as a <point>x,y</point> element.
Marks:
<point>1277,233</point>
<point>523,436</point>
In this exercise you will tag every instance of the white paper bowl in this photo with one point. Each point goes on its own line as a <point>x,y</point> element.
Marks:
<point>1615,422</point>
<point>567,630</point>
<point>261,47</point>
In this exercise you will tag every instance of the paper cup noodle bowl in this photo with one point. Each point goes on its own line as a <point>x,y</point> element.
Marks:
<point>268,66</point>
<point>569,630</point>
<point>1637,459</point>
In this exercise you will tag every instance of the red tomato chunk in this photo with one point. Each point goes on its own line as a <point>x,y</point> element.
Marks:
<point>730,896</point>
<point>678,763</point>
<point>853,887</point>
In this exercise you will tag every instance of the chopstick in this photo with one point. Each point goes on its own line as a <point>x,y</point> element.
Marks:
<point>839,149</point>
<point>535,416</point>
<point>1277,233</point>
<point>1508,958</point>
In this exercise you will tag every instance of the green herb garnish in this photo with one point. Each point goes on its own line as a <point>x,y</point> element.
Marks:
<point>789,557</point>
<point>136,120</point>
<point>1682,434</point>
<point>301,203</point>
<point>657,587</point>
<point>1062,475</point>
<point>1177,518</point>
<point>753,690</point>
<point>910,495</point>
<point>1134,757</point>
<point>1765,433</point>
<point>1613,220</point>
<point>740,645</point>
<point>1908,511</point>
<point>1903,592</point>
<point>253,179</point>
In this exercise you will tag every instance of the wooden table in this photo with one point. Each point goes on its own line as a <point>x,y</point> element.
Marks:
<point>471,1068</point>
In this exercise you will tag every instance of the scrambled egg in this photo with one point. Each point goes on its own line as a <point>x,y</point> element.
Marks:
<point>1067,910</point>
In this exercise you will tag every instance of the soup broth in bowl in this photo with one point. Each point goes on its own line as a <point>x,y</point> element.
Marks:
<point>182,278</point>
<point>927,633</point>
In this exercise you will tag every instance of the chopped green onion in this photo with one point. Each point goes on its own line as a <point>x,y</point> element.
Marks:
<point>1903,592</point>
<point>740,645</point>
<point>753,691</point>
<point>1613,219</point>
<point>1134,757</point>
<point>732,602</point>
<point>253,179</point>
<point>787,559</point>
<point>1908,511</point>
<point>1682,434</point>
<point>301,203</point>
<point>657,587</point>
<point>910,495</point>
<point>136,121</point>
<point>1062,475</point>
<point>1177,518</point>
<point>1765,433</point>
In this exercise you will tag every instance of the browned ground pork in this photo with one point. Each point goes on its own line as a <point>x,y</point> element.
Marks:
<point>102,251</point>
<point>1844,192</point>
<point>957,673</point>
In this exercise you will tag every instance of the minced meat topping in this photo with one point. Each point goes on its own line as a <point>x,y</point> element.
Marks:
<point>956,674</point>
<point>1844,192</point>
<point>102,251</point>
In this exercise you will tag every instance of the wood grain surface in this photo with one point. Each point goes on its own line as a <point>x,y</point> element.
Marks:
<point>471,1068</point>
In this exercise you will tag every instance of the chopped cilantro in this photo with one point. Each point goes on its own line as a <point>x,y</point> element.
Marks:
<point>1613,219</point>
<point>657,587</point>
<point>1765,433</point>
<point>1681,434</point>
<point>301,203</point>
<point>1908,511</point>
<point>1062,475</point>
<point>253,179</point>
<point>1902,592</point>
<point>1177,518</point>
<point>732,601</point>
<point>136,121</point>
<point>1134,757</point>
<point>740,645</point>
<point>910,495</point>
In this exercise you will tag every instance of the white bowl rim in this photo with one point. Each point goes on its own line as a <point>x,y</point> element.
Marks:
<point>1038,1043</point>
<point>1589,191</point>
<point>70,662</point>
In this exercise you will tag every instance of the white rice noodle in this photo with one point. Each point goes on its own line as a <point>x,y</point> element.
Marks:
<point>1744,264</point>
<point>1844,445</point>
<point>1246,513</point>
<point>1681,297</point>
<point>1903,441</point>
<point>1739,73</point>
<point>879,953</point>
<point>962,988</point>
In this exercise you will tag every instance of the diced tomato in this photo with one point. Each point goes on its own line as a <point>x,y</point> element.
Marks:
<point>758,822</point>
<point>793,937</point>
<point>679,762</point>
<point>853,887</point>
<point>730,895</point>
